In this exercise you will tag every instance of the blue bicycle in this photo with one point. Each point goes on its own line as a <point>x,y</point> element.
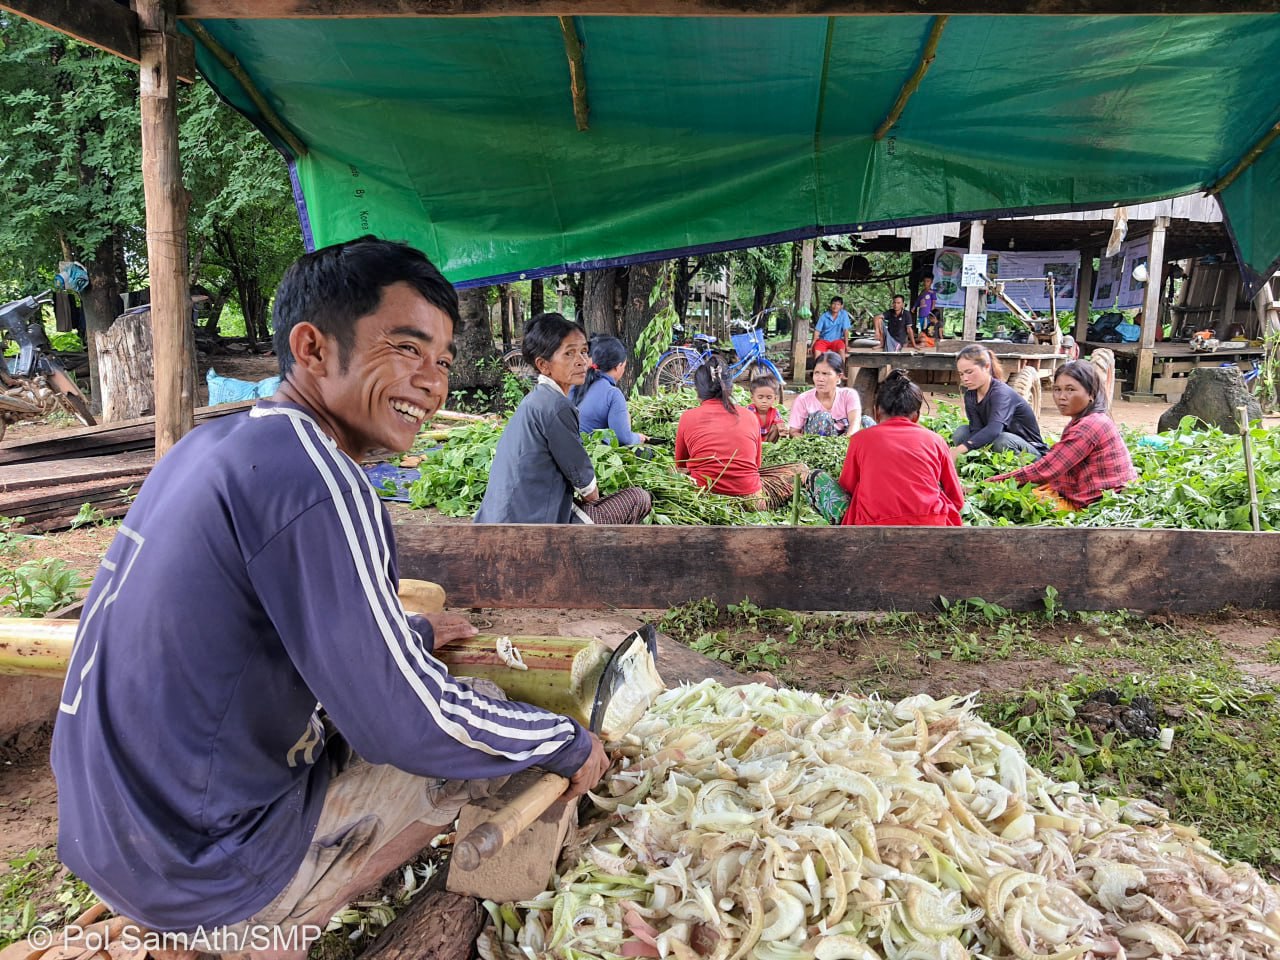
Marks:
<point>676,366</point>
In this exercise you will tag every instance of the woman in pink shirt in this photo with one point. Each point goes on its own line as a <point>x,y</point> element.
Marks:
<point>828,410</point>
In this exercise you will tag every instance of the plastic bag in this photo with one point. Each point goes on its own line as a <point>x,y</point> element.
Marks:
<point>231,390</point>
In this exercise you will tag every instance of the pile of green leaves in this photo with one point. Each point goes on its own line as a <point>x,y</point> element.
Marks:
<point>1192,479</point>
<point>454,478</point>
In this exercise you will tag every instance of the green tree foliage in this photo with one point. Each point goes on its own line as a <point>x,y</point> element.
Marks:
<point>70,139</point>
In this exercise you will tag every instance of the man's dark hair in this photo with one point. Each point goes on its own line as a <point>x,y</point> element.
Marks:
<point>543,336</point>
<point>898,296</point>
<point>334,287</point>
<point>839,300</point>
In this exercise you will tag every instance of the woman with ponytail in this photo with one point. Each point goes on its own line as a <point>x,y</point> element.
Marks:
<point>997,416</point>
<point>718,445</point>
<point>601,405</point>
<point>900,474</point>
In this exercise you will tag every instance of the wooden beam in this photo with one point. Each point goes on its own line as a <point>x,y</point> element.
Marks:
<point>265,110</point>
<point>577,71</point>
<point>804,314</point>
<point>289,9</point>
<point>1252,154</point>
<point>166,198</point>
<point>482,565</point>
<point>1084,295</point>
<point>927,56</point>
<point>977,230</point>
<point>104,24</point>
<point>1151,307</point>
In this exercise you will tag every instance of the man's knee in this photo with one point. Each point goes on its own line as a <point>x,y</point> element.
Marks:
<point>1008,442</point>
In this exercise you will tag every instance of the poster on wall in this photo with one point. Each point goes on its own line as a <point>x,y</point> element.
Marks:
<point>1131,291</point>
<point>1107,287</point>
<point>948,264</point>
<point>1029,294</point>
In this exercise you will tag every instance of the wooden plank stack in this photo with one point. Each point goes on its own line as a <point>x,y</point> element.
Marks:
<point>47,480</point>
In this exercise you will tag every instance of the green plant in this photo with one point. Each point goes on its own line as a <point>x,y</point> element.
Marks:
<point>88,516</point>
<point>9,539</point>
<point>37,890</point>
<point>35,588</point>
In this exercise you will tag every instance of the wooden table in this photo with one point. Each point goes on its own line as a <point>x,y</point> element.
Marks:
<point>868,367</point>
<point>1172,363</point>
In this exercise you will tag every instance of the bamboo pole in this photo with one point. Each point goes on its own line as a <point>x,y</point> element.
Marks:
<point>265,110</point>
<point>173,340</point>
<point>1246,443</point>
<point>577,70</point>
<point>36,648</point>
<point>927,57</point>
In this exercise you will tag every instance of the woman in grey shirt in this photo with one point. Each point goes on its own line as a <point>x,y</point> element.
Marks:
<point>541,472</point>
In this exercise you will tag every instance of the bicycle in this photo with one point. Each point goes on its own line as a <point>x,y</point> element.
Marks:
<point>676,367</point>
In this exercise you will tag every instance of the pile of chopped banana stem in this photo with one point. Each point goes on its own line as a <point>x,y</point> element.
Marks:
<point>749,822</point>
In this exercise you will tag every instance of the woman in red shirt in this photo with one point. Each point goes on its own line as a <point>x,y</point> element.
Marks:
<point>718,445</point>
<point>1090,457</point>
<point>898,473</point>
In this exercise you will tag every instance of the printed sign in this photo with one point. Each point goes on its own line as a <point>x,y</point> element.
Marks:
<point>974,272</point>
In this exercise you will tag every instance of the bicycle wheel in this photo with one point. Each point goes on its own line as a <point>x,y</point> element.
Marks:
<point>516,365</point>
<point>674,372</point>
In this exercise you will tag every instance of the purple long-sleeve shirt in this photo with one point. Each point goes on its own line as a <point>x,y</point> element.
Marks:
<point>253,579</point>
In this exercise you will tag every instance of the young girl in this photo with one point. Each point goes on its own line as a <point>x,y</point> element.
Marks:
<point>764,404</point>
<point>900,474</point>
<point>1090,457</point>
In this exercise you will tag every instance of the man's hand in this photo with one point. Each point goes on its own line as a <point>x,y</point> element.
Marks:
<point>591,771</point>
<point>447,627</point>
<point>958,451</point>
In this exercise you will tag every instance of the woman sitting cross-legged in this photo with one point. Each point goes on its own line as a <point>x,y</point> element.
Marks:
<point>900,474</point>
<point>1090,457</point>
<point>718,445</point>
<point>601,405</point>
<point>997,416</point>
<point>541,472</point>
<point>828,410</point>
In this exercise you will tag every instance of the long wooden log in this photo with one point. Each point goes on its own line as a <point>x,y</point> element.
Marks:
<point>166,202</point>
<point>284,9</point>
<point>849,568</point>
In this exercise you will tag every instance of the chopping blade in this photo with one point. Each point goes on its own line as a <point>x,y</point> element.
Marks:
<point>629,685</point>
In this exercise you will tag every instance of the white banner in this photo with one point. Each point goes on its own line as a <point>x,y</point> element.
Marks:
<point>1131,291</point>
<point>948,266</point>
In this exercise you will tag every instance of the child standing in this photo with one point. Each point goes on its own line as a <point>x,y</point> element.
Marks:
<point>765,395</point>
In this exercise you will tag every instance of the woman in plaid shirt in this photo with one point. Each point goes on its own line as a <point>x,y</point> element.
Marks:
<point>1091,456</point>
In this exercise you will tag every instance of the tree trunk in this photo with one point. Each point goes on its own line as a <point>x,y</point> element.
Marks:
<point>478,364</point>
<point>101,306</point>
<point>637,313</point>
<point>126,368</point>
<point>577,285</point>
<point>504,304</point>
<point>684,279</point>
<point>599,314</point>
<point>537,297</point>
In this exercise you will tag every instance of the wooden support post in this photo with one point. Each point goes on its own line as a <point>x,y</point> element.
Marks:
<point>1151,307</point>
<point>172,336</point>
<point>804,313</point>
<point>1084,295</point>
<point>972,295</point>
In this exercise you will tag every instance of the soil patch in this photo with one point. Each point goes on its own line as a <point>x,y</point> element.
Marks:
<point>28,800</point>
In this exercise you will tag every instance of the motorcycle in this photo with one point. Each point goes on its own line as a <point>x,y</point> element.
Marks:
<point>34,383</point>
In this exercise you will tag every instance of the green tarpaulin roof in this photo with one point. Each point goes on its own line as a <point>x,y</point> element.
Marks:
<point>458,134</point>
